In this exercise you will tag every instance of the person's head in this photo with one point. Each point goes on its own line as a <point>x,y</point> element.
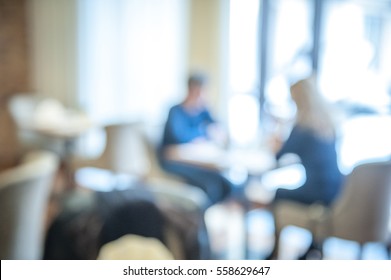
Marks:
<point>196,84</point>
<point>312,111</point>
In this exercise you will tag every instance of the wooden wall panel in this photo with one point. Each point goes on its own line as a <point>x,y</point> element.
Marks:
<point>14,60</point>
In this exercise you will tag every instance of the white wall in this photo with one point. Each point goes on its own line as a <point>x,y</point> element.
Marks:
<point>208,48</point>
<point>78,55</point>
<point>52,29</point>
<point>132,57</point>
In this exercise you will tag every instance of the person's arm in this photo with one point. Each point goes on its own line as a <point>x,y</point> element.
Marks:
<point>208,117</point>
<point>215,132</point>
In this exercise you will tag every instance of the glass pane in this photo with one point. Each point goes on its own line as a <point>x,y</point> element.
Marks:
<point>290,37</point>
<point>243,45</point>
<point>243,105</point>
<point>290,44</point>
<point>351,55</point>
<point>354,75</point>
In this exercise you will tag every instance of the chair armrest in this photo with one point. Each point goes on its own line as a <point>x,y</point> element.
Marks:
<point>34,164</point>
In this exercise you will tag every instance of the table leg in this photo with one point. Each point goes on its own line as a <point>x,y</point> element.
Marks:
<point>67,165</point>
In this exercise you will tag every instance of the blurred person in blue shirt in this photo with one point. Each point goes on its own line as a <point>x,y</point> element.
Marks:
<point>189,122</point>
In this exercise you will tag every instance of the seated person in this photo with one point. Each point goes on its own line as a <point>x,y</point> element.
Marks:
<point>191,121</point>
<point>312,139</point>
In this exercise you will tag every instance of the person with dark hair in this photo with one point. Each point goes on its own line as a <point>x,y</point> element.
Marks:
<point>139,217</point>
<point>191,121</point>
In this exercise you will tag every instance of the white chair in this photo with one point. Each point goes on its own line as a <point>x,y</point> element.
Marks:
<point>128,150</point>
<point>22,107</point>
<point>361,213</point>
<point>151,141</point>
<point>124,151</point>
<point>29,110</point>
<point>24,194</point>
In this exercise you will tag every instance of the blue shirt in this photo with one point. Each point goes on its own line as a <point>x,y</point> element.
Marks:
<point>183,126</point>
<point>319,158</point>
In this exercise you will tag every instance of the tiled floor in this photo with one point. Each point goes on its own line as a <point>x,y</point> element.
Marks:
<point>226,228</point>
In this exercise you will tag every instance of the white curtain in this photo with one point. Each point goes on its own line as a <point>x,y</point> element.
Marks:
<point>131,57</point>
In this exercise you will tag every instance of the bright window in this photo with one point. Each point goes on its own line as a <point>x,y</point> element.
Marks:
<point>243,46</point>
<point>349,69</point>
<point>132,57</point>
<point>354,76</point>
<point>243,105</point>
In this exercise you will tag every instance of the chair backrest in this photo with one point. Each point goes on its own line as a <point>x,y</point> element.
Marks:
<point>362,211</point>
<point>156,171</point>
<point>151,148</point>
<point>24,192</point>
<point>125,149</point>
<point>23,107</point>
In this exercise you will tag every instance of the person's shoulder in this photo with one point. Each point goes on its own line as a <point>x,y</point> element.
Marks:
<point>312,134</point>
<point>176,108</point>
<point>301,129</point>
<point>302,132</point>
<point>176,112</point>
<point>206,112</point>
